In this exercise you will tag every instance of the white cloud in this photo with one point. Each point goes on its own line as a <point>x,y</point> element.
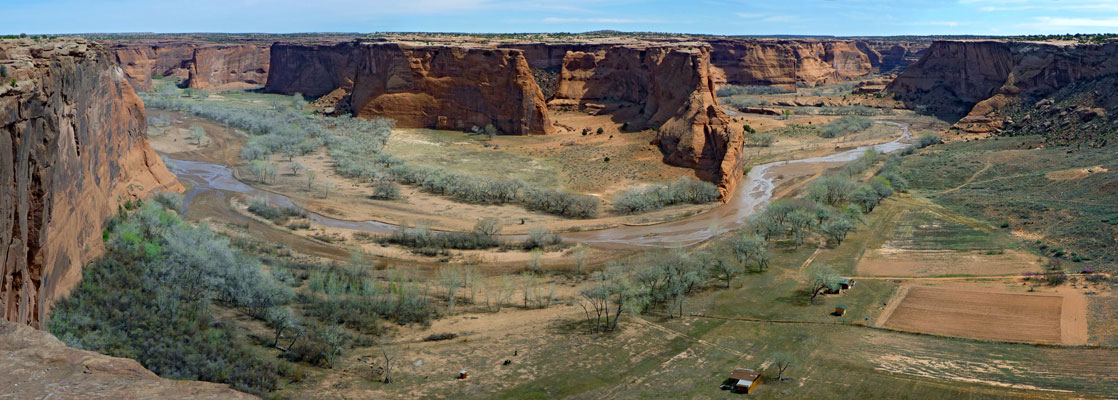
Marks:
<point>1073,23</point>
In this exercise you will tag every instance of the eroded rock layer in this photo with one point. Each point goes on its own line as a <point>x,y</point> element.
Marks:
<point>975,80</point>
<point>36,365</point>
<point>668,88</point>
<point>805,62</point>
<point>201,65</point>
<point>439,87</point>
<point>74,147</point>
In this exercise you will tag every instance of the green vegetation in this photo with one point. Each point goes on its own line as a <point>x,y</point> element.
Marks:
<point>1000,181</point>
<point>356,145</point>
<point>844,126</point>
<point>654,197</point>
<point>150,299</point>
<point>735,90</point>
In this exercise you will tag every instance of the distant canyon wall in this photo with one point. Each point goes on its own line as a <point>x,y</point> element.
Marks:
<point>75,147</point>
<point>201,65</point>
<point>975,80</point>
<point>445,87</point>
<point>786,63</point>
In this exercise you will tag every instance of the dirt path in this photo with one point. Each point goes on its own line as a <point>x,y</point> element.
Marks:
<point>972,177</point>
<point>658,327</point>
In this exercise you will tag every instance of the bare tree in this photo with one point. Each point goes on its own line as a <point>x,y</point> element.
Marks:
<point>782,361</point>
<point>310,179</point>
<point>580,256</point>
<point>388,358</point>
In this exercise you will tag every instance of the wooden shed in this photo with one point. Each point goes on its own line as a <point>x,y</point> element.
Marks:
<point>743,380</point>
<point>840,311</point>
<point>847,283</point>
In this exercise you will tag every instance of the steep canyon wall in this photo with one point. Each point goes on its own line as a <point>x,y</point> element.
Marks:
<point>75,147</point>
<point>975,80</point>
<point>201,65</point>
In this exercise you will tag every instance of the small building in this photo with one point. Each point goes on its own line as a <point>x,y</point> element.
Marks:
<point>847,283</point>
<point>839,311</point>
<point>742,380</point>
<point>462,374</point>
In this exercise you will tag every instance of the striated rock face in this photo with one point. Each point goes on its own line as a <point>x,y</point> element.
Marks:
<point>74,147</point>
<point>806,62</point>
<point>214,66</point>
<point>975,80</point>
<point>673,90</point>
<point>439,87</point>
<point>38,365</point>
<point>203,66</point>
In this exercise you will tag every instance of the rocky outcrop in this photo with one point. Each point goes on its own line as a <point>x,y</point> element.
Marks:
<point>36,365</point>
<point>441,87</point>
<point>668,88</point>
<point>973,81</point>
<point>74,148</point>
<point>201,65</point>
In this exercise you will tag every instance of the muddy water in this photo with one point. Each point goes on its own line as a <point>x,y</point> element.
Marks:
<point>214,182</point>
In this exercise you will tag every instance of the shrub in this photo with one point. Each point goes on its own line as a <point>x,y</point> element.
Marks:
<point>759,140</point>
<point>928,139</point>
<point>149,299</point>
<point>654,197</point>
<point>844,126</point>
<point>435,337</point>
<point>261,207</point>
<point>385,191</point>
<point>540,237</point>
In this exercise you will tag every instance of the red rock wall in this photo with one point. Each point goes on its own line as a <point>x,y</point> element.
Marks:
<point>202,66</point>
<point>74,147</point>
<point>214,66</point>
<point>673,89</point>
<point>437,87</point>
<point>976,79</point>
<point>806,62</point>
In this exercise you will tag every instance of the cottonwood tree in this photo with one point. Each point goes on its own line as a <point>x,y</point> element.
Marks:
<point>750,250</point>
<point>866,197</point>
<point>197,132</point>
<point>801,223</point>
<point>718,264</point>
<point>822,277</point>
<point>295,168</point>
<point>327,187</point>
<point>836,229</point>
<point>611,292</point>
<point>451,279</point>
<point>310,179</point>
<point>281,319</point>
<point>580,256</point>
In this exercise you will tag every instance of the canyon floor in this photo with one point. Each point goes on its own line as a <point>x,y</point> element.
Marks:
<point>898,338</point>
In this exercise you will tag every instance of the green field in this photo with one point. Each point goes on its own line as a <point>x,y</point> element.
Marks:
<point>1077,218</point>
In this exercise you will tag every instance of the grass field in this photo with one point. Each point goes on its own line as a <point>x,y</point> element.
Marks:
<point>1029,191</point>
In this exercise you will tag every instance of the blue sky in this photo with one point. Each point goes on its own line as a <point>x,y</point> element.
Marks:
<point>725,17</point>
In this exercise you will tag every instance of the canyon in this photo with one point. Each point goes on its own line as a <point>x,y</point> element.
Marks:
<point>75,147</point>
<point>664,84</point>
<point>974,81</point>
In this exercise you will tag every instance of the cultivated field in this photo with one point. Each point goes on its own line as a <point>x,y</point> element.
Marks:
<point>980,314</point>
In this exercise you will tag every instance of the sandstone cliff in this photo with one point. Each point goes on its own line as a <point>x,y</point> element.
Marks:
<point>75,147</point>
<point>672,90</point>
<point>805,62</point>
<point>214,66</point>
<point>201,65</point>
<point>439,87</point>
<point>973,81</point>
<point>37,365</point>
